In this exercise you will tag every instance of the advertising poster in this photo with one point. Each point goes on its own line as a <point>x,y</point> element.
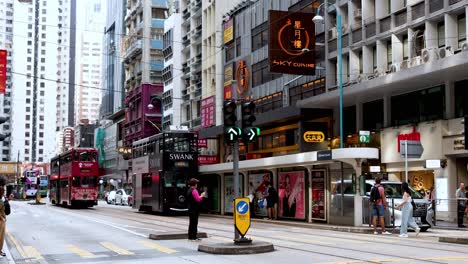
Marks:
<point>318,195</point>
<point>256,190</point>
<point>292,194</point>
<point>208,112</point>
<point>229,192</point>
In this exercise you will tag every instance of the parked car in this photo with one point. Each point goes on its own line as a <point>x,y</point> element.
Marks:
<point>394,194</point>
<point>122,196</point>
<point>111,197</point>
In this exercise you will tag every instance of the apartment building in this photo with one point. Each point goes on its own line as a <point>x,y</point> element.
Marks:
<point>34,89</point>
<point>142,52</point>
<point>6,43</point>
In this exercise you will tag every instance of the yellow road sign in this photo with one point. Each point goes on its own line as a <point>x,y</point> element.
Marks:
<point>242,215</point>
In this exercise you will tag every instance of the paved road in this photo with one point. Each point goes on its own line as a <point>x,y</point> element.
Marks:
<point>118,234</point>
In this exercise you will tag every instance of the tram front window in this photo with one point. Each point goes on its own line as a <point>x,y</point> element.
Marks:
<point>174,180</point>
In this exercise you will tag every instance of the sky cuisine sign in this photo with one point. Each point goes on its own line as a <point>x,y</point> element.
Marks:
<point>3,71</point>
<point>292,43</point>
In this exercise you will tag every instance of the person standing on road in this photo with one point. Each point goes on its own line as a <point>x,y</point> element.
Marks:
<point>271,196</point>
<point>461,203</point>
<point>379,205</point>
<point>407,212</point>
<point>194,203</point>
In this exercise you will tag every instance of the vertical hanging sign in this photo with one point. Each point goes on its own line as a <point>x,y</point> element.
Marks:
<point>3,71</point>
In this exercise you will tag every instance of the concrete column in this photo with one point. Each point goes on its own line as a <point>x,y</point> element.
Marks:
<point>397,49</point>
<point>331,73</point>
<point>397,5</point>
<point>387,110</point>
<point>336,121</point>
<point>353,65</point>
<point>451,31</point>
<point>368,9</point>
<point>431,35</point>
<point>382,55</point>
<point>367,58</point>
<point>382,9</point>
<point>449,99</point>
<point>359,116</point>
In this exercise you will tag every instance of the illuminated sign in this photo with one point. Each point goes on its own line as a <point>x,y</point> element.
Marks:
<point>228,74</point>
<point>292,43</point>
<point>85,170</point>
<point>314,136</point>
<point>3,71</point>
<point>228,31</point>
<point>242,77</point>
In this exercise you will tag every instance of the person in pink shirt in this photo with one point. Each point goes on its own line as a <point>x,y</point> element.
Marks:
<point>194,201</point>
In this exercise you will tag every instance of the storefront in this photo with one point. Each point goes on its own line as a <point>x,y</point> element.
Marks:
<point>303,183</point>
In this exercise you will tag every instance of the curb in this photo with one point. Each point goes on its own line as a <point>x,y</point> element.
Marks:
<point>454,240</point>
<point>10,258</point>
<point>172,236</point>
<point>347,229</point>
<point>232,249</point>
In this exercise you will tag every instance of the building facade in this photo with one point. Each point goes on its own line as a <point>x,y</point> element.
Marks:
<point>113,68</point>
<point>34,89</point>
<point>6,43</point>
<point>88,91</point>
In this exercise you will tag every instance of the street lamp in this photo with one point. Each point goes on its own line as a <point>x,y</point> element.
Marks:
<point>318,19</point>
<point>150,106</point>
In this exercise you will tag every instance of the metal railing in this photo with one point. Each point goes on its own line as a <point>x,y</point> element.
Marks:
<point>446,211</point>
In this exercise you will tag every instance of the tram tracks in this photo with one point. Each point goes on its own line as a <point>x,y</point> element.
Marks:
<point>175,224</point>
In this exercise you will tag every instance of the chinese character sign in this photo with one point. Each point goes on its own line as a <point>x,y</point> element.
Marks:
<point>292,43</point>
<point>208,112</point>
<point>228,31</point>
<point>3,70</point>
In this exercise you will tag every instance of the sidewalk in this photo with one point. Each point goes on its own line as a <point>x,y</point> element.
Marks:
<point>8,259</point>
<point>444,231</point>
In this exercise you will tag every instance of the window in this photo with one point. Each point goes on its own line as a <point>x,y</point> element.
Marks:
<point>261,73</point>
<point>28,92</point>
<point>361,66</point>
<point>461,30</point>
<point>238,47</point>
<point>229,52</point>
<point>373,115</point>
<point>419,106</point>
<point>461,98</point>
<point>389,52</point>
<point>28,84</point>
<point>306,90</point>
<point>268,103</point>
<point>441,34</point>
<point>260,36</point>
<point>374,57</point>
<point>349,120</point>
<point>405,48</point>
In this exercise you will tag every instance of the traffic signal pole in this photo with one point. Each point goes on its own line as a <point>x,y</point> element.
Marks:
<point>235,171</point>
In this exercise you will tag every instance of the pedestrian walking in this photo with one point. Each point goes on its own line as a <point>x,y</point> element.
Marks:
<point>406,208</point>
<point>461,203</point>
<point>271,196</point>
<point>4,211</point>
<point>194,203</point>
<point>379,205</point>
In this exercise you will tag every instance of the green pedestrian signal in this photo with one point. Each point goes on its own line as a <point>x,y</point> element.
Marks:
<point>232,134</point>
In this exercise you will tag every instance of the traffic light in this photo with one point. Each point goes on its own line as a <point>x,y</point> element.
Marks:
<point>3,120</point>
<point>248,118</point>
<point>229,112</point>
<point>465,124</point>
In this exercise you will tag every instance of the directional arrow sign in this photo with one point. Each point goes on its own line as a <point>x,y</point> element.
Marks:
<point>251,132</point>
<point>232,134</point>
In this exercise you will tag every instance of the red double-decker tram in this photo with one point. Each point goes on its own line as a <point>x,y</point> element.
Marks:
<point>74,178</point>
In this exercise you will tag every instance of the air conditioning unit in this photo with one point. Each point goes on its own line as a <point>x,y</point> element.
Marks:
<point>445,52</point>
<point>360,78</point>
<point>378,72</point>
<point>428,55</point>
<point>464,47</point>
<point>413,62</point>
<point>334,33</point>
<point>394,67</point>
<point>404,65</point>
<point>358,13</point>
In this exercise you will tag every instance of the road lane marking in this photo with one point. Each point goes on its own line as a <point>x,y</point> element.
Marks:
<point>116,248</point>
<point>309,241</point>
<point>18,246</point>
<point>32,253</point>
<point>81,252</point>
<point>158,247</point>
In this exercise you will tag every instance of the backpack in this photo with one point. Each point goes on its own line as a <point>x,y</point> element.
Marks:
<point>375,194</point>
<point>7,206</point>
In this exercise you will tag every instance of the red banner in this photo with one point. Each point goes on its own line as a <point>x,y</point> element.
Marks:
<point>208,112</point>
<point>202,143</point>
<point>3,70</point>
<point>411,136</point>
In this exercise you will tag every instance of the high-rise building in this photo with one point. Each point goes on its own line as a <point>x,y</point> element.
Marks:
<point>6,43</point>
<point>34,89</point>
<point>89,61</point>
<point>112,65</point>
<point>66,64</point>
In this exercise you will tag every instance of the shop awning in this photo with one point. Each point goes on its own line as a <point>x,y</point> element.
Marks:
<point>300,159</point>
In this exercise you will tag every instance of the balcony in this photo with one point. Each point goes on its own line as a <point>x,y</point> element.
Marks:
<point>370,30</point>
<point>417,11</point>
<point>400,18</point>
<point>357,35</point>
<point>435,6</point>
<point>131,48</point>
<point>385,24</point>
<point>186,13</point>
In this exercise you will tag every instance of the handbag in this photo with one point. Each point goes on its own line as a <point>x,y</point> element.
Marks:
<point>413,204</point>
<point>6,204</point>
